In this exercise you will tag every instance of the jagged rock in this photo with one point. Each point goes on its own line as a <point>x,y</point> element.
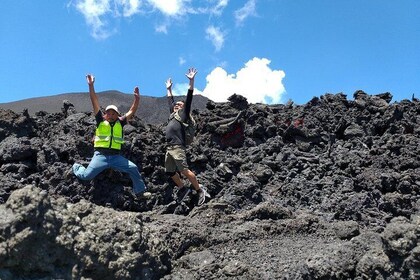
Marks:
<point>14,149</point>
<point>238,101</point>
<point>39,234</point>
<point>346,229</point>
<point>326,190</point>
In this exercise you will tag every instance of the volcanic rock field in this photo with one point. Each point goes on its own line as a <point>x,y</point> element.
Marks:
<point>325,190</point>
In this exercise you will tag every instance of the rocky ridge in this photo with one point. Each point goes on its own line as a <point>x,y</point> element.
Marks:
<point>153,109</point>
<point>325,190</point>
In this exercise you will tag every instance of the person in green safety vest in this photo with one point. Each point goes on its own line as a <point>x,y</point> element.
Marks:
<point>108,142</point>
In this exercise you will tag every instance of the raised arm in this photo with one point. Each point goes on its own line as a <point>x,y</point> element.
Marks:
<point>135,104</point>
<point>169,87</point>
<point>190,75</point>
<point>169,94</point>
<point>93,98</point>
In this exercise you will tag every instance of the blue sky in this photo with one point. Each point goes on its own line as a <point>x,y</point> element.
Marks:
<point>266,50</point>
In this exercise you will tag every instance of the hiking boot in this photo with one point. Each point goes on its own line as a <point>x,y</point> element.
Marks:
<point>202,194</point>
<point>143,195</point>
<point>182,194</point>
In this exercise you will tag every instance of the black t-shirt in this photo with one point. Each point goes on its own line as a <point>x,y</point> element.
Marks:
<point>175,134</point>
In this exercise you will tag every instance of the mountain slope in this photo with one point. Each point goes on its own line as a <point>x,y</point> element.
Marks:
<point>151,110</point>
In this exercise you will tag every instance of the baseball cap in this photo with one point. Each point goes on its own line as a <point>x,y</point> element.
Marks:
<point>112,107</point>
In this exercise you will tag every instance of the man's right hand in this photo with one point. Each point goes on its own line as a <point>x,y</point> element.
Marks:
<point>90,79</point>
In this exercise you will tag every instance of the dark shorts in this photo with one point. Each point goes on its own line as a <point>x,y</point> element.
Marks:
<point>175,159</point>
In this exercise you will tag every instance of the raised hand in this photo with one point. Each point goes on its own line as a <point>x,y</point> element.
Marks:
<point>168,83</point>
<point>135,104</point>
<point>93,98</point>
<point>136,92</point>
<point>90,79</point>
<point>191,73</point>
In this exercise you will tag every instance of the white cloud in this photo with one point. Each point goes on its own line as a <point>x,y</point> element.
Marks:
<point>92,11</point>
<point>210,7</point>
<point>221,5</point>
<point>217,9</point>
<point>130,7</point>
<point>162,28</point>
<point>216,37</point>
<point>243,13</point>
<point>169,7</point>
<point>256,81</point>
<point>180,89</point>
<point>181,60</point>
<point>102,15</point>
<point>96,14</point>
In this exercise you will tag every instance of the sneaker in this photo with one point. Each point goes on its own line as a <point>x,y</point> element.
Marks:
<point>182,194</point>
<point>144,195</point>
<point>202,194</point>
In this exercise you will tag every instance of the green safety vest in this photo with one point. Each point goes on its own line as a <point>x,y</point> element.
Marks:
<point>107,136</point>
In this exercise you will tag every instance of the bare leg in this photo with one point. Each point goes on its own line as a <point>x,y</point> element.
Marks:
<point>191,177</point>
<point>178,181</point>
